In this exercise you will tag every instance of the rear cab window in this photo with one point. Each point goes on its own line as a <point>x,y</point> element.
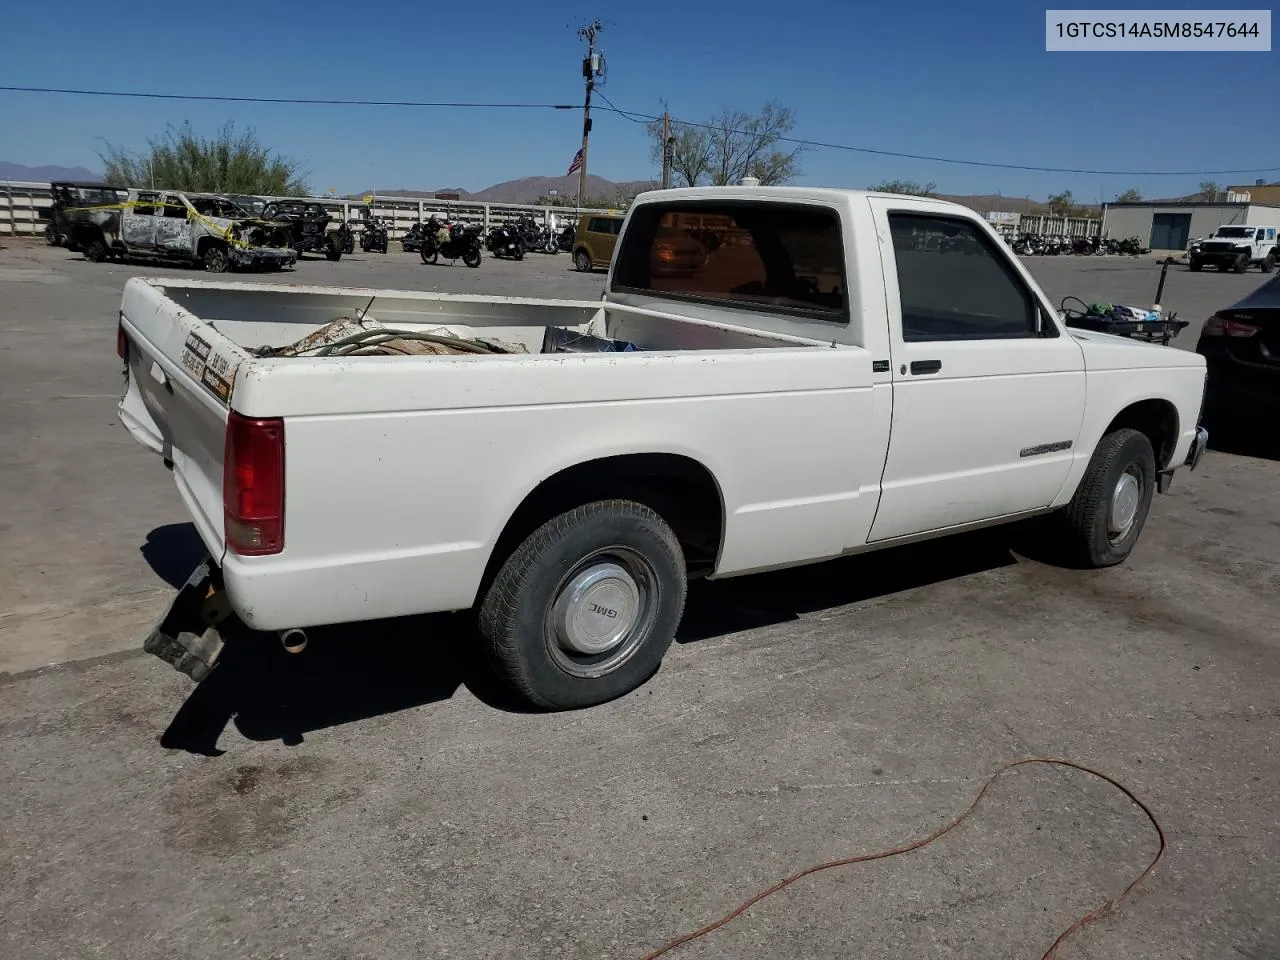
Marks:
<point>771,257</point>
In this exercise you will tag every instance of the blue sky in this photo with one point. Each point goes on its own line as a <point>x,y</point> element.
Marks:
<point>931,78</point>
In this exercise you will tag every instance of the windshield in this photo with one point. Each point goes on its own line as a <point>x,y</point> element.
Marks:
<point>1234,232</point>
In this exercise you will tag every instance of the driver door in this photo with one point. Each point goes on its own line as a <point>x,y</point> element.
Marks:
<point>988,390</point>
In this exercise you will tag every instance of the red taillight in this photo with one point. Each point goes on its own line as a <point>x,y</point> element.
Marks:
<point>122,341</point>
<point>1219,326</point>
<point>253,486</point>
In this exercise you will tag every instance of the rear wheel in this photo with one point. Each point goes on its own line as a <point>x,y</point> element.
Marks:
<point>582,261</point>
<point>96,250</point>
<point>585,608</point>
<point>1269,262</point>
<point>471,258</point>
<point>1107,513</point>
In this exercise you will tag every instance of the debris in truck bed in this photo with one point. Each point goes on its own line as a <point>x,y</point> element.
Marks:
<point>564,340</point>
<point>347,337</point>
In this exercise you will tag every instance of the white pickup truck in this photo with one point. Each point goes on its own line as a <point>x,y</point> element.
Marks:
<point>773,377</point>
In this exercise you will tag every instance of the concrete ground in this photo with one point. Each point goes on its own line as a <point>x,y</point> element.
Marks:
<point>377,798</point>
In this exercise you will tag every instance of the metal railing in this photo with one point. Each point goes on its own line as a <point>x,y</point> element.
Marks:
<point>24,210</point>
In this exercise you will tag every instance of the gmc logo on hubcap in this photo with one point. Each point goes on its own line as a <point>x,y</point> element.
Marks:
<point>611,614</point>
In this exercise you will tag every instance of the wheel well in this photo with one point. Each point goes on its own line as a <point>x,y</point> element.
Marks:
<point>204,243</point>
<point>83,233</point>
<point>1158,419</point>
<point>679,489</point>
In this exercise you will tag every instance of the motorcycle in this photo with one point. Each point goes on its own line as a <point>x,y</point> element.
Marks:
<point>412,241</point>
<point>463,242</point>
<point>504,241</point>
<point>374,237</point>
<point>565,238</point>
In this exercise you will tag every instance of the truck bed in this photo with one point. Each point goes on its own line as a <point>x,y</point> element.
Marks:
<point>401,471</point>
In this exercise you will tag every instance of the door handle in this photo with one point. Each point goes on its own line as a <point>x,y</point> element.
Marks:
<point>926,366</point>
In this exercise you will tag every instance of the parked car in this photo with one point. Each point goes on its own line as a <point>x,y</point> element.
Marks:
<point>210,230</point>
<point>1241,347</point>
<point>594,241</point>
<point>816,390</point>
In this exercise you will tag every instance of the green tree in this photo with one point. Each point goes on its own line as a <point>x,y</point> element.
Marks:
<point>908,187</point>
<point>1211,192</point>
<point>226,163</point>
<point>1128,196</point>
<point>1061,204</point>
<point>731,145</point>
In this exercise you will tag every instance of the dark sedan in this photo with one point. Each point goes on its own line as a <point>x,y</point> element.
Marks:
<point>1241,346</point>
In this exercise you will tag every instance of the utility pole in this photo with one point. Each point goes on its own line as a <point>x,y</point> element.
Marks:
<point>592,67</point>
<point>667,144</point>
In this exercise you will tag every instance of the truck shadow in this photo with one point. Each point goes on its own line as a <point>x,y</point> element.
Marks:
<point>361,671</point>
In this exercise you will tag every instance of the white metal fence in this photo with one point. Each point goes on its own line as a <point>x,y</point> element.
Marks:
<point>24,210</point>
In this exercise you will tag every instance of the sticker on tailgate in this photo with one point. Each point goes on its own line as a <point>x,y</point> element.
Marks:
<point>211,370</point>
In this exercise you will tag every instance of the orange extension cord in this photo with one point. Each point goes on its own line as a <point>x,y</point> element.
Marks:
<point>943,831</point>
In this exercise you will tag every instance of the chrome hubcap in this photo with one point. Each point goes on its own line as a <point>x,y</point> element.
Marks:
<point>596,609</point>
<point>603,611</point>
<point>1124,505</point>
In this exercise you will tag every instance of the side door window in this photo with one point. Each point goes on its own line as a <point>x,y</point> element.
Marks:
<point>140,220</point>
<point>954,284</point>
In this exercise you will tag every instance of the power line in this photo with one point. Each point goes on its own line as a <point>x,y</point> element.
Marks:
<point>319,101</point>
<point>644,118</point>
<point>641,118</point>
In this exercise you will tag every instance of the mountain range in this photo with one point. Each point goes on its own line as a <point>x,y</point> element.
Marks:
<point>531,189</point>
<point>20,171</point>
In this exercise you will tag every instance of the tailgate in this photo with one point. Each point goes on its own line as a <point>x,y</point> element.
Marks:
<point>180,374</point>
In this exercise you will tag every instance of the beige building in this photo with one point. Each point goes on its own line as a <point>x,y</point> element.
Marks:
<point>1260,192</point>
<point>1169,225</point>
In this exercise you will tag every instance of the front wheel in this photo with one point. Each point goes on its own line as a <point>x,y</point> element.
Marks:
<point>518,252</point>
<point>334,246</point>
<point>96,250</point>
<point>585,608</point>
<point>471,258</point>
<point>216,259</point>
<point>1107,513</point>
<point>1241,264</point>
<point>428,256</point>
<point>1194,266</point>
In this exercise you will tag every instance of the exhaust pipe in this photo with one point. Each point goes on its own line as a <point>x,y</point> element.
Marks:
<point>294,640</point>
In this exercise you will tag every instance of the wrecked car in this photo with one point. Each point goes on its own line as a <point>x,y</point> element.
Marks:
<point>68,195</point>
<point>312,229</point>
<point>212,231</point>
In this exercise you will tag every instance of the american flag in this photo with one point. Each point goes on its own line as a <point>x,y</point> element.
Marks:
<point>577,163</point>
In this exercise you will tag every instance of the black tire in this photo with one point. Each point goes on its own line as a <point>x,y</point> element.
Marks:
<point>431,257</point>
<point>1093,538</point>
<point>471,258</point>
<point>215,258</point>
<point>1241,263</point>
<point>523,628</point>
<point>1194,266</point>
<point>333,248</point>
<point>519,252</point>
<point>1268,262</point>
<point>51,236</point>
<point>582,261</point>
<point>96,250</point>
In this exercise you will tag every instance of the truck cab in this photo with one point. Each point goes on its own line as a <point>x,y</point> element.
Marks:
<point>1235,247</point>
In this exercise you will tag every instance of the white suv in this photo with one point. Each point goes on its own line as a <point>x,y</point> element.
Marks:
<point>1236,247</point>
